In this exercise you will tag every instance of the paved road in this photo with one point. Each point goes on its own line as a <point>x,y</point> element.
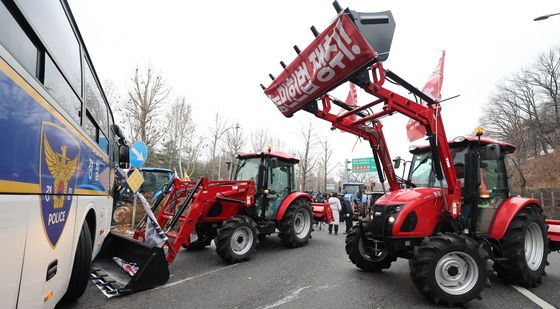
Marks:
<point>316,276</point>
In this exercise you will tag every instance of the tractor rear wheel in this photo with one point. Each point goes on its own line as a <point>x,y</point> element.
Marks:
<point>296,225</point>
<point>205,235</point>
<point>368,260</point>
<point>450,269</point>
<point>524,249</point>
<point>202,242</point>
<point>237,239</point>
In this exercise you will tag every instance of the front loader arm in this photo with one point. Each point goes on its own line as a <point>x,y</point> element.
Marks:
<point>354,44</point>
<point>372,133</point>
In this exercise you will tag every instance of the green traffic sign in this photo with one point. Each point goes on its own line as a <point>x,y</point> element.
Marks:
<point>363,165</point>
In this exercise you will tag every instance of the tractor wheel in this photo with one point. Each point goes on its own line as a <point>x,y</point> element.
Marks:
<point>236,239</point>
<point>202,242</point>
<point>373,261</point>
<point>295,227</point>
<point>524,249</point>
<point>450,269</point>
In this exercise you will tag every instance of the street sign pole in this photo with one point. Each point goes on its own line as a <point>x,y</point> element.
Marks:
<point>134,181</point>
<point>134,211</point>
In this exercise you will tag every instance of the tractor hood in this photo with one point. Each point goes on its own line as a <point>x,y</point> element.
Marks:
<point>404,196</point>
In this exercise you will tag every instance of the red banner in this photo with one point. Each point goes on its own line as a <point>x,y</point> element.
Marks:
<point>334,55</point>
<point>414,130</point>
<point>352,100</point>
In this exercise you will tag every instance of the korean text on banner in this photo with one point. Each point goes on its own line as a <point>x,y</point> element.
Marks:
<point>334,55</point>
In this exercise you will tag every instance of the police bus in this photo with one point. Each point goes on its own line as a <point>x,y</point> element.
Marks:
<point>58,152</point>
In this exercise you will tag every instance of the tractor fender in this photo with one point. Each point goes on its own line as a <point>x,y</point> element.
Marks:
<point>288,200</point>
<point>507,212</point>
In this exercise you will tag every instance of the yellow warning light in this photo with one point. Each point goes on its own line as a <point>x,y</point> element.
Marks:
<point>48,296</point>
<point>265,191</point>
<point>479,131</point>
<point>269,148</point>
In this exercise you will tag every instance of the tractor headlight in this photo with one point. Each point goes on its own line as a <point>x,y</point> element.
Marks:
<point>394,209</point>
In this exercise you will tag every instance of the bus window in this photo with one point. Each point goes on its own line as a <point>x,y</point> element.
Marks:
<point>60,90</point>
<point>16,41</point>
<point>51,24</point>
<point>94,101</point>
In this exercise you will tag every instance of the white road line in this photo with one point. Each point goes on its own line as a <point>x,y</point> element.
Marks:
<point>286,299</point>
<point>534,298</point>
<point>194,277</point>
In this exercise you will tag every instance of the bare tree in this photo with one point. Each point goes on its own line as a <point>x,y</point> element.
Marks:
<point>181,129</point>
<point>259,140</point>
<point>141,111</point>
<point>544,75</point>
<point>308,157</point>
<point>235,142</point>
<point>325,161</point>
<point>217,131</point>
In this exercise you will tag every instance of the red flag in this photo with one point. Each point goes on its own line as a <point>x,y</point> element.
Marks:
<point>352,100</point>
<point>432,88</point>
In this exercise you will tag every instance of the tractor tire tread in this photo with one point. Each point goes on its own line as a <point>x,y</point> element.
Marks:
<point>353,251</point>
<point>222,240</point>
<point>432,249</point>
<point>286,227</point>
<point>512,267</point>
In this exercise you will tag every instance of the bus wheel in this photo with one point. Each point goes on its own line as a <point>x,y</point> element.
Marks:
<point>82,266</point>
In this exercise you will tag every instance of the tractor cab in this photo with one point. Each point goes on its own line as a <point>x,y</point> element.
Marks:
<point>481,170</point>
<point>274,177</point>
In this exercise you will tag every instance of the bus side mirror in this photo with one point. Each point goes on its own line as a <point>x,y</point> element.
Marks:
<point>124,156</point>
<point>397,162</point>
<point>228,163</point>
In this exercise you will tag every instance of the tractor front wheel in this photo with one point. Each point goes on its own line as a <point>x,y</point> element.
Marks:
<point>368,260</point>
<point>295,227</point>
<point>237,239</point>
<point>524,249</point>
<point>450,269</point>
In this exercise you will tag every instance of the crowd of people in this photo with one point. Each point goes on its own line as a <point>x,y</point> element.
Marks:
<point>342,209</point>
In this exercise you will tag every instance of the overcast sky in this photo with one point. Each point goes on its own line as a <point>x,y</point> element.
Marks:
<point>217,52</point>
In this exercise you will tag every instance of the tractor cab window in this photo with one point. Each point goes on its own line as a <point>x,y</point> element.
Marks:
<point>279,186</point>
<point>351,189</point>
<point>493,174</point>
<point>248,169</point>
<point>422,172</point>
<point>493,191</point>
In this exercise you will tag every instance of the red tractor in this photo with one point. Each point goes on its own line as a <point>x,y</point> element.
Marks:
<point>454,217</point>
<point>261,200</point>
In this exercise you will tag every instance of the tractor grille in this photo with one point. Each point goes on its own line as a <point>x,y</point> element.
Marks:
<point>379,221</point>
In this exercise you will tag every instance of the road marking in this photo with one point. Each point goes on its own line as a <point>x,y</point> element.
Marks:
<point>534,298</point>
<point>194,277</point>
<point>286,299</point>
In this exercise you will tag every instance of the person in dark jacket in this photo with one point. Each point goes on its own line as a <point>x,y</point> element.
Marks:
<point>347,213</point>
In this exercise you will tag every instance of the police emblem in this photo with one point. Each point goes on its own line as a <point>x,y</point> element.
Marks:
<point>60,157</point>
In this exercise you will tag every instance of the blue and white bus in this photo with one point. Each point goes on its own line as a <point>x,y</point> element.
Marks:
<point>58,151</point>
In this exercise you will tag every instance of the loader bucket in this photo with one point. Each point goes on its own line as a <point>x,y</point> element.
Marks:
<point>113,280</point>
